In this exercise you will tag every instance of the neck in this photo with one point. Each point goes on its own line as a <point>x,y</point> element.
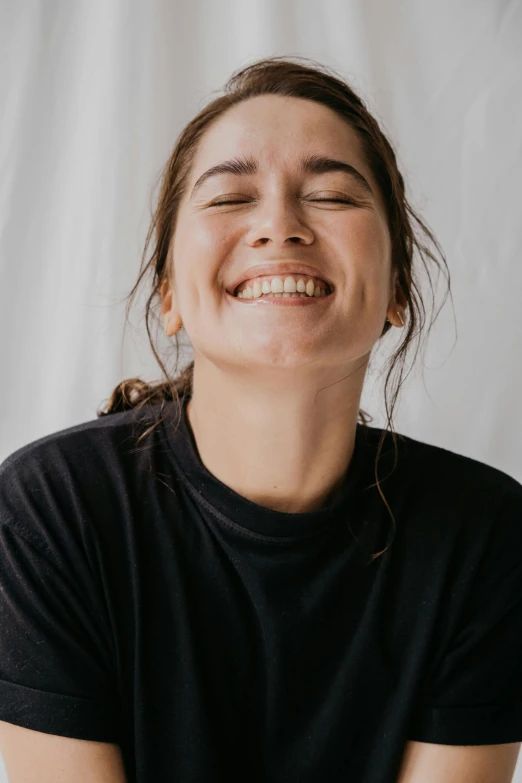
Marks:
<point>283,445</point>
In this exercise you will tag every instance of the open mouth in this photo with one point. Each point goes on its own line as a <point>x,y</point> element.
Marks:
<point>292,287</point>
<point>284,299</point>
<point>284,296</point>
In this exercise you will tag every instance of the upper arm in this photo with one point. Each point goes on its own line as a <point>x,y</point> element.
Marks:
<point>35,757</point>
<point>58,672</point>
<point>425,762</point>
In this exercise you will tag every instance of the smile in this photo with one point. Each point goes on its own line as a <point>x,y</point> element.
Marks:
<point>294,290</point>
<point>284,299</point>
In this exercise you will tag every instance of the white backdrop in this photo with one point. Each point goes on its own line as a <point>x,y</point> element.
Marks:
<point>93,95</point>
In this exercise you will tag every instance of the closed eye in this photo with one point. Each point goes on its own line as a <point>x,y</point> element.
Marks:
<point>217,203</point>
<point>338,200</point>
<point>334,200</point>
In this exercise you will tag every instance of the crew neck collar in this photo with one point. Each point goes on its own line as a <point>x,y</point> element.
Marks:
<point>230,506</point>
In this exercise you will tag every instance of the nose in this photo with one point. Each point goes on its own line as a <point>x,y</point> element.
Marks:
<point>278,222</point>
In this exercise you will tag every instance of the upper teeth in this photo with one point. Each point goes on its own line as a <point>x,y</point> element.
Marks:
<point>276,285</point>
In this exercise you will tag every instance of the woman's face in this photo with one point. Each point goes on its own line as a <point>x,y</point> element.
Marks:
<point>285,213</point>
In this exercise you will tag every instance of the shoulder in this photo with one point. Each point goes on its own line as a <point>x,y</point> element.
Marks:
<point>447,479</point>
<point>79,438</point>
<point>457,528</point>
<point>69,468</point>
<point>438,462</point>
<point>96,438</point>
<point>447,468</point>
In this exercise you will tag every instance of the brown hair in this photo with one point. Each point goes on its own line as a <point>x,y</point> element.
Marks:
<point>312,81</point>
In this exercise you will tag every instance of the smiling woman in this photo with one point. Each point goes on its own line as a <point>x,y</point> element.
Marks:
<point>217,591</point>
<point>265,159</point>
<point>277,94</point>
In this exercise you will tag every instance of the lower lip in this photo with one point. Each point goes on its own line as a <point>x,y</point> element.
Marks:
<point>284,301</point>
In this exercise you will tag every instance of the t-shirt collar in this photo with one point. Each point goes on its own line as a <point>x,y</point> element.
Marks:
<point>229,505</point>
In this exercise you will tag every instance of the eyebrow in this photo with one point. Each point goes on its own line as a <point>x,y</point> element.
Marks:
<point>312,164</point>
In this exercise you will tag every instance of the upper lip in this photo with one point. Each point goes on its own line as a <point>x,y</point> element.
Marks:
<point>279,268</point>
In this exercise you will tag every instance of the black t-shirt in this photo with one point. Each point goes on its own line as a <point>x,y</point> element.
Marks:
<point>145,602</point>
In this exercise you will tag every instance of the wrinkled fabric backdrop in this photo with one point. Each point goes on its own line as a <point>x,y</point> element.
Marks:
<point>93,96</point>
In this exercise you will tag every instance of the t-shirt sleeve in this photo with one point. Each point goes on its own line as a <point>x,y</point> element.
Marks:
<point>55,648</point>
<point>474,694</point>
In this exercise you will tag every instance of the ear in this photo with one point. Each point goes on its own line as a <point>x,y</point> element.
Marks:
<point>399,297</point>
<point>166,297</point>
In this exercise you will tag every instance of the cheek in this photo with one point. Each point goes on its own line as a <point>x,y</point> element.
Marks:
<point>368,259</point>
<point>369,237</point>
<point>208,236</point>
<point>197,255</point>
<point>365,244</point>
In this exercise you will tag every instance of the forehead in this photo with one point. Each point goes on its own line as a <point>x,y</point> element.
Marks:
<point>277,129</point>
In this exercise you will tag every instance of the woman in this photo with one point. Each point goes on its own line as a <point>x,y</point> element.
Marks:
<point>253,587</point>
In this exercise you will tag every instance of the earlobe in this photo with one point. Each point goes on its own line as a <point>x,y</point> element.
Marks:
<point>399,316</point>
<point>166,325</point>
